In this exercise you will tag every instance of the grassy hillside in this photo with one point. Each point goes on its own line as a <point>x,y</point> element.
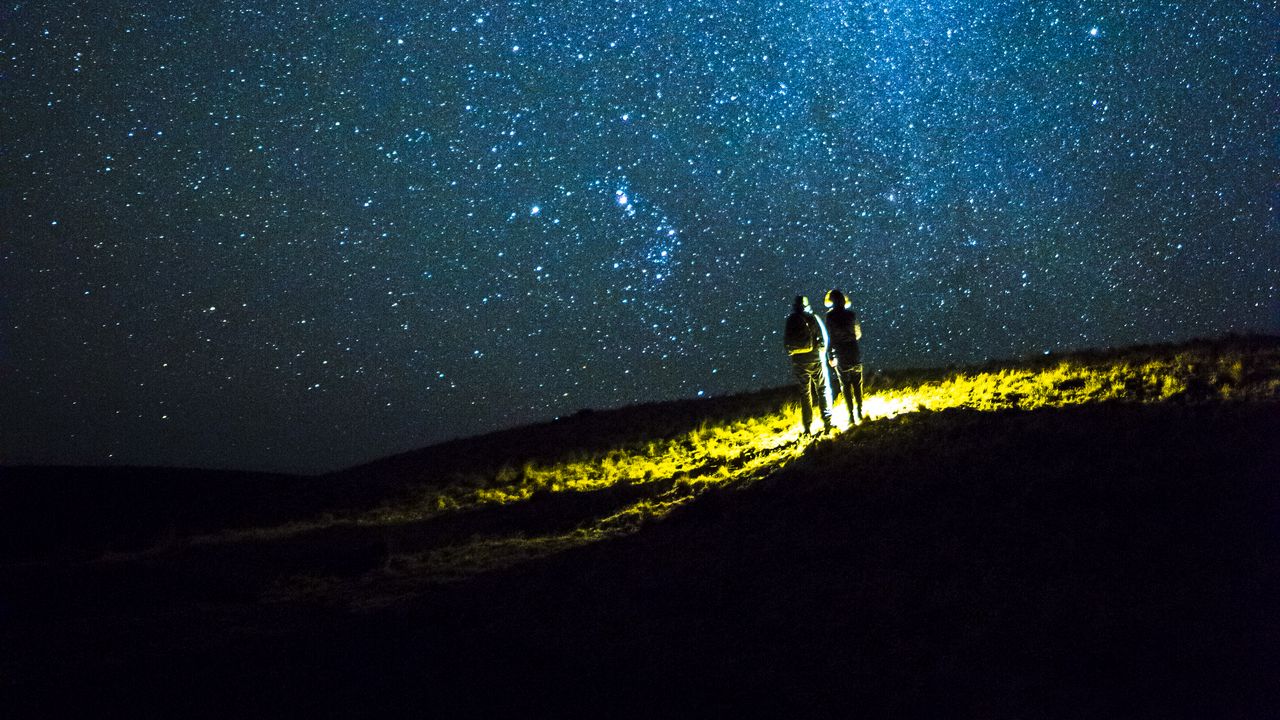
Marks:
<point>1065,536</point>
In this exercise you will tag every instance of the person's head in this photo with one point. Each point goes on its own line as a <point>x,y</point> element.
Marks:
<point>801,304</point>
<point>835,298</point>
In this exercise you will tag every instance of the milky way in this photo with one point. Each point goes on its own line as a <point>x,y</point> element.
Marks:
<point>298,235</point>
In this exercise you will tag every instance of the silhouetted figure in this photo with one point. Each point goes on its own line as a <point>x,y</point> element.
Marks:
<point>806,341</point>
<point>846,357</point>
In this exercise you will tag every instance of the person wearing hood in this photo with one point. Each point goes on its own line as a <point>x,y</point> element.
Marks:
<point>846,356</point>
<point>806,340</point>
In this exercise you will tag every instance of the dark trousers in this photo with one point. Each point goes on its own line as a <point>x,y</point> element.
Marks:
<point>813,388</point>
<point>850,381</point>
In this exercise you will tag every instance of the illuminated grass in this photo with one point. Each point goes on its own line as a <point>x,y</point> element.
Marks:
<point>1187,376</point>
<point>669,473</point>
<point>523,502</point>
<point>699,457</point>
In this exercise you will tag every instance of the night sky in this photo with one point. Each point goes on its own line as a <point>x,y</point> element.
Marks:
<point>295,236</point>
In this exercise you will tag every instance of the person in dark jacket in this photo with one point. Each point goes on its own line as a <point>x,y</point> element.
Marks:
<point>806,341</point>
<point>845,332</point>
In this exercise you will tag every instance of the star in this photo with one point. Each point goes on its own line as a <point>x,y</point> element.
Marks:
<point>350,196</point>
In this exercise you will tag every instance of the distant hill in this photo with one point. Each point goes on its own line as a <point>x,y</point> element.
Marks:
<point>47,510</point>
<point>1084,535</point>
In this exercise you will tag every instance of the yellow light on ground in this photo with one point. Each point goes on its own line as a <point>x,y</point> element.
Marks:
<point>881,406</point>
<point>668,472</point>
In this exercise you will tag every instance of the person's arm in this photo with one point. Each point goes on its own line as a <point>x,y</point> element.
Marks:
<point>857,329</point>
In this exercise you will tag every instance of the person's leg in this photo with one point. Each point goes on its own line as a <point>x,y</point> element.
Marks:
<point>855,381</point>
<point>806,394</point>
<point>817,392</point>
<point>820,389</point>
<point>837,383</point>
<point>823,397</point>
<point>846,383</point>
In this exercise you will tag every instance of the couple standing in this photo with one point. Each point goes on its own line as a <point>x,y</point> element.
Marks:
<point>807,339</point>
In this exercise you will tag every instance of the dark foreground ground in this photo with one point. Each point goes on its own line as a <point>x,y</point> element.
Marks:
<point>1103,561</point>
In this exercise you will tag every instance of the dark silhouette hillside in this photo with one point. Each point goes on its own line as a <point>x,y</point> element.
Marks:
<point>1082,536</point>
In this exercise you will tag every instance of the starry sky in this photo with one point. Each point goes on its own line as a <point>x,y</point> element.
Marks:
<point>298,235</point>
